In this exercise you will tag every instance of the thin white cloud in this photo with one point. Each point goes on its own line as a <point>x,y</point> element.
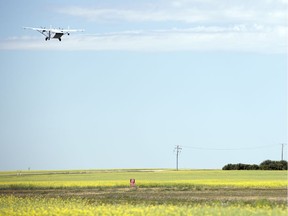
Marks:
<point>240,38</point>
<point>189,11</point>
<point>206,25</point>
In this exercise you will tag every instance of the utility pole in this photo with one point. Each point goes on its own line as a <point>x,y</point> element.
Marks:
<point>282,150</point>
<point>178,150</point>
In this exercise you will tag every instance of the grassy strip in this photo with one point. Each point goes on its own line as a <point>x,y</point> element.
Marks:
<point>158,195</point>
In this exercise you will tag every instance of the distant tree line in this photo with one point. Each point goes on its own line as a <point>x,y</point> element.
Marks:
<point>265,165</point>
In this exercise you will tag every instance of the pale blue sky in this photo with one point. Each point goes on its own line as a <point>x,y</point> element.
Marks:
<point>141,79</point>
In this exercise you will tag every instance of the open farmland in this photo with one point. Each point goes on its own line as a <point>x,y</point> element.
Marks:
<point>178,192</point>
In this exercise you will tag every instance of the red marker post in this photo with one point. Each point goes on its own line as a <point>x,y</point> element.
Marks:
<point>132,183</point>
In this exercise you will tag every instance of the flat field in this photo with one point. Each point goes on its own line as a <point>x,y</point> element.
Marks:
<point>158,192</point>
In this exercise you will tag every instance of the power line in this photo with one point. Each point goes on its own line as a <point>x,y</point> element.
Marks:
<point>228,149</point>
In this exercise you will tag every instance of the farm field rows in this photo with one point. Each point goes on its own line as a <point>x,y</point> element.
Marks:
<point>144,178</point>
<point>158,192</point>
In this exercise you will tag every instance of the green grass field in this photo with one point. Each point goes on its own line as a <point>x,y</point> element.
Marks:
<point>184,192</point>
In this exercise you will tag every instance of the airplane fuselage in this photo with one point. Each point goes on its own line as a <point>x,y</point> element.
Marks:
<point>52,34</point>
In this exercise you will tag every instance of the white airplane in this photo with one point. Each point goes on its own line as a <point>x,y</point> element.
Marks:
<point>53,33</point>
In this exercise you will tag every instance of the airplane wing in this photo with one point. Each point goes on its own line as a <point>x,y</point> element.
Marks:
<point>54,30</point>
<point>70,30</point>
<point>36,29</point>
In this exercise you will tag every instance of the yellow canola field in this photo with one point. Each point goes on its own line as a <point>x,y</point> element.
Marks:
<point>219,183</point>
<point>15,206</point>
<point>152,178</point>
<point>146,183</point>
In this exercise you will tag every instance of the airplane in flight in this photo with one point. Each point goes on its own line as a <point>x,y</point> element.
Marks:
<point>54,33</point>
